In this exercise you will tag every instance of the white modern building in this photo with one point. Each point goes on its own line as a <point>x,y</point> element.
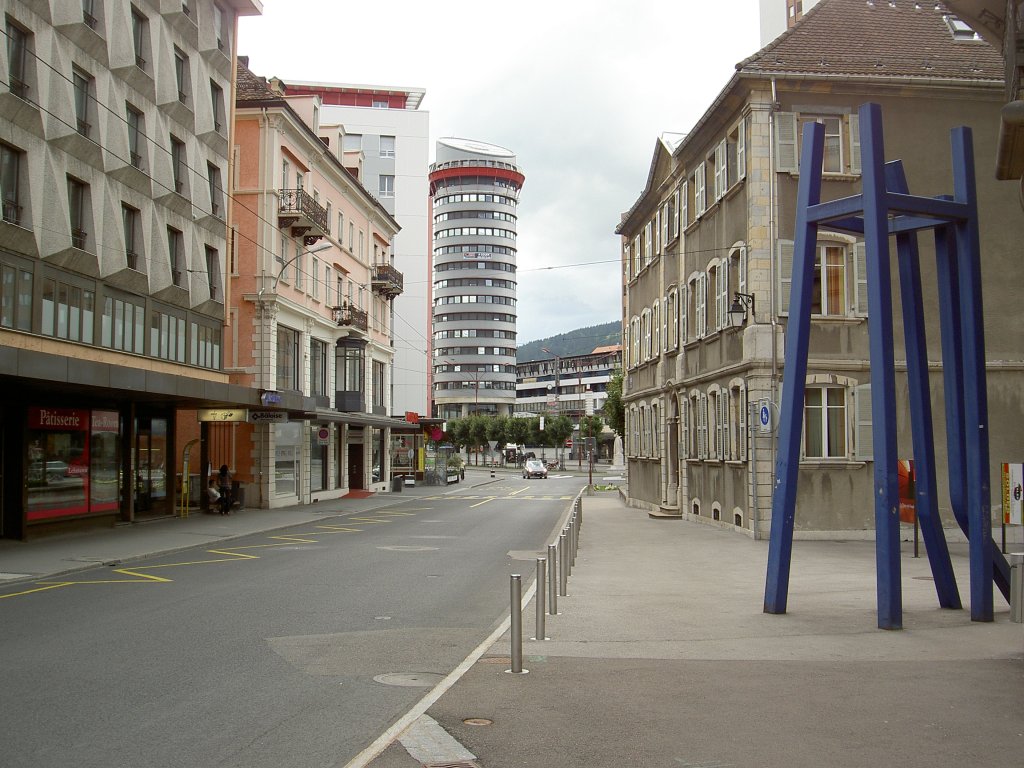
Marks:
<point>474,191</point>
<point>386,145</point>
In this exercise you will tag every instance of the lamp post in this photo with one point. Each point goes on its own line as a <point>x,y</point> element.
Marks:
<point>741,302</point>
<point>273,288</point>
<point>261,362</point>
<point>558,393</point>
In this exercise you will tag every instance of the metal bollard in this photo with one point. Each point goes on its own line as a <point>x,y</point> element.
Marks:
<point>552,581</point>
<point>567,532</point>
<point>539,599</point>
<point>563,575</point>
<point>574,538</point>
<point>1017,587</point>
<point>516,595</point>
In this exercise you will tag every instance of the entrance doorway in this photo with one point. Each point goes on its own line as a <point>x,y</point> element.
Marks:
<point>152,498</point>
<point>355,466</point>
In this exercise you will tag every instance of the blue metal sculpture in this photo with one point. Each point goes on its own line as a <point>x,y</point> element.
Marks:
<point>886,208</point>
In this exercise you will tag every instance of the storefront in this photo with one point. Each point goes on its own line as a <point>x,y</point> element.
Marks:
<point>73,466</point>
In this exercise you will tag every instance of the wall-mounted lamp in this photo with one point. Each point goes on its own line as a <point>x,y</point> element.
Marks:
<point>741,302</point>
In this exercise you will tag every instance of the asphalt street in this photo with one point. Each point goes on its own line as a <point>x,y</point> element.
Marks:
<point>294,647</point>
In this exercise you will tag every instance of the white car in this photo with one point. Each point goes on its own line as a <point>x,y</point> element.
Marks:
<point>535,468</point>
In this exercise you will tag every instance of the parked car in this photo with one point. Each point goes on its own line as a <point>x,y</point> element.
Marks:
<point>535,468</point>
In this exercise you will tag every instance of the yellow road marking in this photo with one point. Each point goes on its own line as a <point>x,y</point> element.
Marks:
<point>38,589</point>
<point>339,529</point>
<point>296,539</point>
<point>369,520</point>
<point>519,491</point>
<point>481,503</point>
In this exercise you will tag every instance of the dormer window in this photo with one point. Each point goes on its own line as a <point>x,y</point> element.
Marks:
<point>959,29</point>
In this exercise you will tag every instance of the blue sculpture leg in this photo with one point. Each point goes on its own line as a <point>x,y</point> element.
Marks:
<point>883,372</point>
<point>979,510</point>
<point>926,500</point>
<point>798,332</point>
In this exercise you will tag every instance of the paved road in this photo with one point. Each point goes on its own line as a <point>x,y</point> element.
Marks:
<point>265,652</point>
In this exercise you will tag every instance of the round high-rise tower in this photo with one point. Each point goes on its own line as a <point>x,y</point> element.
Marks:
<point>474,190</point>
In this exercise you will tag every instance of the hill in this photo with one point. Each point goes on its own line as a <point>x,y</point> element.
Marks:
<point>578,342</point>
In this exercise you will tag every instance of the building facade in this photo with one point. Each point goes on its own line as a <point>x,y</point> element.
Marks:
<point>474,193</point>
<point>707,255</point>
<point>386,144</point>
<point>114,135</point>
<point>313,281</point>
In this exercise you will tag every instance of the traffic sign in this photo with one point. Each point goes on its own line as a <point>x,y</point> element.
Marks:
<point>568,442</point>
<point>765,423</point>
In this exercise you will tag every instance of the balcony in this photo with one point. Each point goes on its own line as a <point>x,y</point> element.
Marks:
<point>347,316</point>
<point>303,215</point>
<point>387,280</point>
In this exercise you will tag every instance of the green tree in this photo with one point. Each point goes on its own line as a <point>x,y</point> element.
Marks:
<point>458,432</point>
<point>518,431</point>
<point>478,432</point>
<point>590,427</point>
<point>559,429</point>
<point>614,411</point>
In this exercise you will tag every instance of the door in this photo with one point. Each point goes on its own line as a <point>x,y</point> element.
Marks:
<point>151,492</point>
<point>355,466</point>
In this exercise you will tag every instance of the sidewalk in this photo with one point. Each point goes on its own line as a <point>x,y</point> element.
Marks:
<point>662,656</point>
<point>56,555</point>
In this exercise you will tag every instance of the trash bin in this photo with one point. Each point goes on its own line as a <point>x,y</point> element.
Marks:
<point>396,483</point>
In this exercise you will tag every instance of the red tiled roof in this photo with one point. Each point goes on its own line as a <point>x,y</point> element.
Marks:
<point>251,87</point>
<point>877,39</point>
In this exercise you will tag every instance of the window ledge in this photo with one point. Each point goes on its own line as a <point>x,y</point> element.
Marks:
<point>734,190</point>
<point>814,464</point>
<point>847,177</point>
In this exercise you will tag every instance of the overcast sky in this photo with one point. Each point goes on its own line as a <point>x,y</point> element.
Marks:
<point>579,91</point>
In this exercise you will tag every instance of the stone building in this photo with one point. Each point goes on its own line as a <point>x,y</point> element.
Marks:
<point>707,252</point>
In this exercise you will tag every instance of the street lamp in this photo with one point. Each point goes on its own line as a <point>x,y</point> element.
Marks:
<point>741,302</point>
<point>273,289</point>
<point>558,370</point>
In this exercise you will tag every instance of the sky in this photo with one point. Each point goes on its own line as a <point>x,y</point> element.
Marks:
<point>579,91</point>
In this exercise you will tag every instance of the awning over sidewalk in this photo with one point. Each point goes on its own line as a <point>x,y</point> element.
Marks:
<point>325,415</point>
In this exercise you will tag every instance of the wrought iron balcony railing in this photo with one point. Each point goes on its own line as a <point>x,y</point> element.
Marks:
<point>387,280</point>
<point>347,316</point>
<point>301,212</point>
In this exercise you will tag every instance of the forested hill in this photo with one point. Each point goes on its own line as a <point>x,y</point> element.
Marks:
<point>579,342</point>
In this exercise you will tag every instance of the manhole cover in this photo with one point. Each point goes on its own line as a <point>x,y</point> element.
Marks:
<point>410,679</point>
<point>478,721</point>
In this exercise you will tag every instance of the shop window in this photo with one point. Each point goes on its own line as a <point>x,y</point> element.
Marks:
<point>15,297</point>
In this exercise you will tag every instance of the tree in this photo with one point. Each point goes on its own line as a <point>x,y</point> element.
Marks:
<point>590,427</point>
<point>458,432</point>
<point>478,432</point>
<point>614,411</point>
<point>518,431</point>
<point>559,429</point>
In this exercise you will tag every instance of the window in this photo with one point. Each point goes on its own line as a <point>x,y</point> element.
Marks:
<point>378,384</point>
<point>387,186</point>
<point>387,146</point>
<point>132,222</point>
<point>123,325</point>
<point>285,174</point>
<point>213,272</point>
<point>717,286</point>
<point>737,446</point>
<point>842,141</point>
<point>825,428</point>
<point>648,243</point>
<point>287,358</point>
<point>352,142</point>
<point>82,84</point>
<point>175,251</point>
<point>179,165</point>
<point>736,152</point>
<point>181,75</point>
<point>10,183</point>
<point>216,190</point>
<point>351,235</point>
<point>699,180</point>
<point>839,286</point>
<point>217,99</point>
<point>674,216</point>
<point>656,330</point>
<point>139,28</point>
<point>315,280</point>
<point>16,298</point>
<point>167,336</point>
<point>328,217</point>
<point>77,202</point>
<point>317,367</point>
<point>136,135</point>
<point>380,103</point>
<point>205,345</point>
<point>717,170</point>
<point>89,13</point>
<point>737,277</point>
<point>697,318</point>
<point>67,310</point>
<point>17,60</point>
<point>218,28</point>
